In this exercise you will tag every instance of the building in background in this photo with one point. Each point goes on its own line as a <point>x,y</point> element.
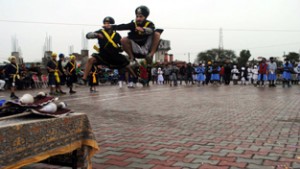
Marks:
<point>163,49</point>
<point>16,50</point>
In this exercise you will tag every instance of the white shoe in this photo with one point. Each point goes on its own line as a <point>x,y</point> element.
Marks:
<point>120,84</point>
<point>130,85</point>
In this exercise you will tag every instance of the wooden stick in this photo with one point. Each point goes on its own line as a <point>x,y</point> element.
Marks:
<point>15,115</point>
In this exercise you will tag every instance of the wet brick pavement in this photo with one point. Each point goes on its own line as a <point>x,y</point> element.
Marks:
<point>187,127</point>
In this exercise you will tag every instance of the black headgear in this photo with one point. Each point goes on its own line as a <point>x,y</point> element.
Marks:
<point>109,19</point>
<point>142,10</point>
<point>61,55</point>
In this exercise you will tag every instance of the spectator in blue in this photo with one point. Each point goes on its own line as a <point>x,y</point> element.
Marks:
<point>215,73</point>
<point>272,72</point>
<point>200,71</point>
<point>286,75</point>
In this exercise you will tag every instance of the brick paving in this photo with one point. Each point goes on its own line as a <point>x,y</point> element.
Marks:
<point>189,127</point>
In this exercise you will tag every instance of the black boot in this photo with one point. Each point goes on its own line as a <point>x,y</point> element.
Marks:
<point>72,91</point>
<point>13,96</point>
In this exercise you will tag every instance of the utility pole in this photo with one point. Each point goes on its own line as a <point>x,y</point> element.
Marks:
<point>189,57</point>
<point>220,44</point>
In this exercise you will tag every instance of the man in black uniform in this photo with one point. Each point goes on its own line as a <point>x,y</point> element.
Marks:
<point>110,49</point>
<point>12,72</point>
<point>71,73</point>
<point>208,71</point>
<point>61,69</point>
<point>143,39</point>
<point>54,73</point>
<point>227,73</point>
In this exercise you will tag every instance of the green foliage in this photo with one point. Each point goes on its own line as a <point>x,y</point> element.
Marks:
<point>216,55</point>
<point>244,57</point>
<point>293,57</point>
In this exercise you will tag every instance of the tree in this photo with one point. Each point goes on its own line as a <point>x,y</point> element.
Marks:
<point>293,57</point>
<point>216,55</point>
<point>244,57</point>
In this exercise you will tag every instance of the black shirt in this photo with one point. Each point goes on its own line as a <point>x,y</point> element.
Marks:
<point>60,67</point>
<point>52,65</point>
<point>139,37</point>
<point>11,69</point>
<point>71,69</point>
<point>106,46</point>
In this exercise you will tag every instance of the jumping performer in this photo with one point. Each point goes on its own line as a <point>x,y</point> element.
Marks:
<point>143,39</point>
<point>110,49</point>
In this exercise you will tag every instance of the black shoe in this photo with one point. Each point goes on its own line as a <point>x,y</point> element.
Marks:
<point>13,96</point>
<point>72,92</point>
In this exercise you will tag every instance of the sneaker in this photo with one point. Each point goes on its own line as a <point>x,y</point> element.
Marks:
<point>130,85</point>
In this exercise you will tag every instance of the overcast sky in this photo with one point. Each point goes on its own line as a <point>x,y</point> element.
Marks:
<point>265,27</point>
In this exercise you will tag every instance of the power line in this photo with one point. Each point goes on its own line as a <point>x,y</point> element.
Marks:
<point>170,28</point>
<point>49,23</point>
<point>284,44</point>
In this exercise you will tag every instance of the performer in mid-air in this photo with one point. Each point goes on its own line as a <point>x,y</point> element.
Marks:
<point>143,39</point>
<point>109,51</point>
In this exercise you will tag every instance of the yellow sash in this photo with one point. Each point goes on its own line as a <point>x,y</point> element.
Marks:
<point>94,75</point>
<point>96,48</point>
<point>56,74</point>
<point>110,38</point>
<point>16,75</point>
<point>145,26</point>
<point>73,68</point>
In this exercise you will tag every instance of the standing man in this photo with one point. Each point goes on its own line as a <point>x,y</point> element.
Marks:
<point>173,74</point>
<point>262,72</point>
<point>189,74</point>
<point>208,72</point>
<point>54,73</point>
<point>182,73</point>
<point>61,69</point>
<point>154,74</point>
<point>227,73</point>
<point>143,39</point>
<point>272,72</point>
<point>71,73</point>
<point>12,71</point>
<point>286,75</point>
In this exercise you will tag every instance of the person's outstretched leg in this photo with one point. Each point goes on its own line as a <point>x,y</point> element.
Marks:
<point>155,43</point>
<point>127,47</point>
<point>88,67</point>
